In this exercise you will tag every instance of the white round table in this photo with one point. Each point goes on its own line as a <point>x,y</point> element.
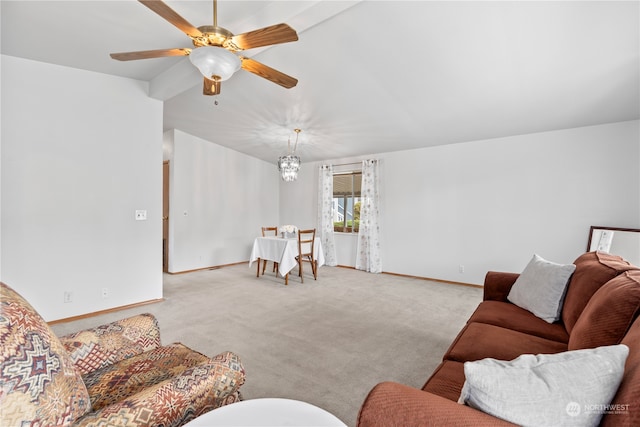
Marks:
<point>267,412</point>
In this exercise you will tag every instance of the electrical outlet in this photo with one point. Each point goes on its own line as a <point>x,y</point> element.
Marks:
<point>105,293</point>
<point>461,269</point>
<point>141,215</point>
<point>68,296</point>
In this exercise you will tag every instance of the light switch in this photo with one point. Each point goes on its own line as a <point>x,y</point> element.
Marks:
<point>141,215</point>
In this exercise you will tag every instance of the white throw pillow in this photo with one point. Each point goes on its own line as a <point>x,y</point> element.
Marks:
<point>573,388</point>
<point>541,287</point>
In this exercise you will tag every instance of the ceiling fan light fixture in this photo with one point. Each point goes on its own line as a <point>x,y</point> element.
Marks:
<point>215,61</point>
<point>215,47</point>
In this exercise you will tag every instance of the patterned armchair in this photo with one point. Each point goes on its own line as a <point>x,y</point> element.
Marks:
<point>117,374</point>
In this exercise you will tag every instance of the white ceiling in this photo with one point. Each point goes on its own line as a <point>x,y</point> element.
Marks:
<point>374,76</point>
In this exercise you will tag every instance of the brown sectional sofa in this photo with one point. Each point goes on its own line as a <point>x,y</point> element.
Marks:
<point>601,308</point>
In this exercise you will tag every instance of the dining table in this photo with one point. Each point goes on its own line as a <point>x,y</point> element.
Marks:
<point>283,251</point>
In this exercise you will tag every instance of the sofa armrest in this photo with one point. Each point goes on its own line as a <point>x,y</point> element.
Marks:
<point>391,404</point>
<point>497,285</point>
<point>104,345</point>
<point>177,400</point>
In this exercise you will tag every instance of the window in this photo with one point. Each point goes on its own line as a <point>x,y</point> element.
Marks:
<point>346,201</point>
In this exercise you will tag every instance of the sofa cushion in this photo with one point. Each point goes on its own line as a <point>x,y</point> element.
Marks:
<point>107,344</point>
<point>593,269</point>
<point>540,288</point>
<point>609,313</point>
<point>446,380</point>
<point>546,389</point>
<point>624,410</point>
<point>38,382</point>
<point>511,316</point>
<point>479,340</point>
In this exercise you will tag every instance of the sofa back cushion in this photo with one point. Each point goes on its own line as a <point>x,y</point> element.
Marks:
<point>95,348</point>
<point>624,410</point>
<point>609,313</point>
<point>38,382</point>
<point>593,269</point>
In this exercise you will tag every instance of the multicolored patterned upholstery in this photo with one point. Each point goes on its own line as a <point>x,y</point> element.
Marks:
<point>121,374</point>
<point>105,345</point>
<point>38,382</point>
<point>178,400</point>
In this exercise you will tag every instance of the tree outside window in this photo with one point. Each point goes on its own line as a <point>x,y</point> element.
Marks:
<point>346,201</point>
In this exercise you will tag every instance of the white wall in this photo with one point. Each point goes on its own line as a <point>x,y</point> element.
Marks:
<point>489,205</point>
<point>219,199</point>
<point>76,165</point>
<point>299,198</point>
<point>81,151</point>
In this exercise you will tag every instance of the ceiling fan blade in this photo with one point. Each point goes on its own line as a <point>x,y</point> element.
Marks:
<point>211,86</point>
<point>268,73</point>
<point>170,15</point>
<point>275,34</point>
<point>147,54</point>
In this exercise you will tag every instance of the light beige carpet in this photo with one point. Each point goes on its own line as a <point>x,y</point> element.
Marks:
<point>326,342</point>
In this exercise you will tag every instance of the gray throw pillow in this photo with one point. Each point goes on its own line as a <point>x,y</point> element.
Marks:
<point>574,388</point>
<point>541,287</point>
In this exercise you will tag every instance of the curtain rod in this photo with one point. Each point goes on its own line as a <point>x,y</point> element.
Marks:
<point>354,163</point>
<point>348,164</point>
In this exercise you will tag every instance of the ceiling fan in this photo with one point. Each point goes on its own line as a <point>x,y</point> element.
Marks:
<point>215,47</point>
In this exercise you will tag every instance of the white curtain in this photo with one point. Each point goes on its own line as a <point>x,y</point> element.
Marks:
<point>325,214</point>
<point>368,255</point>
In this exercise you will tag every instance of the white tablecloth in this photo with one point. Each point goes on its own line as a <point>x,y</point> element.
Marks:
<point>282,251</point>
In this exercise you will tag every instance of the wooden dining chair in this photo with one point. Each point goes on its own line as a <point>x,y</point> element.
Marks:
<point>268,231</point>
<point>306,246</point>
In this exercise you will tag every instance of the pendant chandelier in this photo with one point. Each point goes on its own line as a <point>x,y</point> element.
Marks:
<point>289,165</point>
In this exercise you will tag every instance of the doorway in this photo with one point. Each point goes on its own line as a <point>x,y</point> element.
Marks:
<point>165,216</point>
